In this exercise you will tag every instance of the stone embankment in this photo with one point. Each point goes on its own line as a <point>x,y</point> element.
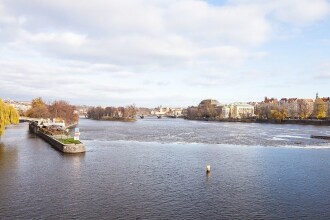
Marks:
<point>271,121</point>
<point>65,148</point>
<point>296,121</point>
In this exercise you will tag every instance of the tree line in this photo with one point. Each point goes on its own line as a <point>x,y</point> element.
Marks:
<point>109,113</point>
<point>8,115</point>
<point>301,109</point>
<point>208,111</point>
<point>58,109</point>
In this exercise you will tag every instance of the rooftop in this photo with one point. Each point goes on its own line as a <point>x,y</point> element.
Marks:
<point>212,102</point>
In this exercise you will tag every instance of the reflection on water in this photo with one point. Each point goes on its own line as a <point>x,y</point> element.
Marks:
<point>8,175</point>
<point>76,161</point>
<point>155,169</point>
<point>8,159</point>
<point>8,156</point>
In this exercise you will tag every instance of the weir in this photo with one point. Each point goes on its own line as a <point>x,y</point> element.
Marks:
<point>321,137</point>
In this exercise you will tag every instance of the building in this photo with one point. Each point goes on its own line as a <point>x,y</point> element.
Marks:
<point>270,100</point>
<point>241,110</point>
<point>20,106</point>
<point>209,103</point>
<point>225,112</point>
<point>159,111</point>
<point>208,108</point>
<point>55,122</point>
<point>167,111</point>
<point>177,112</point>
<point>263,109</point>
<point>213,108</point>
<point>305,108</point>
<point>326,100</point>
<point>291,105</point>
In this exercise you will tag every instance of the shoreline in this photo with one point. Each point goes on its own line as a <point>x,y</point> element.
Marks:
<point>266,121</point>
<point>116,119</point>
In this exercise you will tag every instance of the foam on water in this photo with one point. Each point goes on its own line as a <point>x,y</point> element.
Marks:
<point>292,136</point>
<point>183,131</point>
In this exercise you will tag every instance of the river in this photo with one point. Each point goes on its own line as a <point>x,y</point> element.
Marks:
<point>155,169</point>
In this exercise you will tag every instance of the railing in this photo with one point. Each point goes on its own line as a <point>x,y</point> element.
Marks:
<point>22,118</point>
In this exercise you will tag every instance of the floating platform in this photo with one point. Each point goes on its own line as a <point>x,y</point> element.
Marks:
<point>65,148</point>
<point>321,137</point>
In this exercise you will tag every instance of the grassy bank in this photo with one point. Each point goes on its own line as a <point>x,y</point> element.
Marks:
<point>69,141</point>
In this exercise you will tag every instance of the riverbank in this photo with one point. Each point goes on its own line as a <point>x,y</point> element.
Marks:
<point>273,121</point>
<point>117,119</point>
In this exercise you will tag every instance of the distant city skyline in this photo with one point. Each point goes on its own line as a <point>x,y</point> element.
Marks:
<point>49,101</point>
<point>170,53</point>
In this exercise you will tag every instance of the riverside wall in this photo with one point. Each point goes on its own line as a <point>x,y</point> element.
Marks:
<point>290,121</point>
<point>65,148</point>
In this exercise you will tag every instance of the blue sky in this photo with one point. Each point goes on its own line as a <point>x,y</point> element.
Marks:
<point>173,53</point>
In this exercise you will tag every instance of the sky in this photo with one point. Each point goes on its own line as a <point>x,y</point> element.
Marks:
<point>163,52</point>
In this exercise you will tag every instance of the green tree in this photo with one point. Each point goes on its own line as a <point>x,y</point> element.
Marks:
<point>38,109</point>
<point>131,111</point>
<point>320,109</point>
<point>99,113</point>
<point>278,113</point>
<point>8,115</point>
<point>37,102</point>
<point>305,108</point>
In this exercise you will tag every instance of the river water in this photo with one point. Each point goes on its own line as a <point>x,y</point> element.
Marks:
<point>155,169</point>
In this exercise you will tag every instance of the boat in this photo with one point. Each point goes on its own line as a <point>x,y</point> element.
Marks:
<point>159,116</point>
<point>142,116</point>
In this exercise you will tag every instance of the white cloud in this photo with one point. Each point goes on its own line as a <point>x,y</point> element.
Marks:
<point>225,25</point>
<point>127,29</point>
<point>67,38</point>
<point>115,45</point>
<point>301,12</point>
<point>295,12</point>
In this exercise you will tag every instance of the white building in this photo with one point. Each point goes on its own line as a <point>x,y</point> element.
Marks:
<point>54,122</point>
<point>241,110</point>
<point>225,111</point>
<point>20,106</point>
<point>176,111</point>
<point>161,111</point>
